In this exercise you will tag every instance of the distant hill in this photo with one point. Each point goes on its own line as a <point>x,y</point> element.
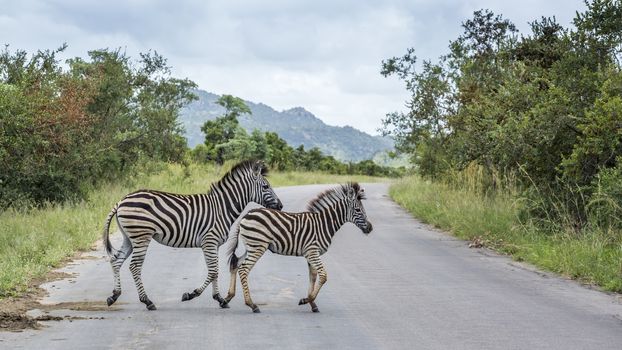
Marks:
<point>297,126</point>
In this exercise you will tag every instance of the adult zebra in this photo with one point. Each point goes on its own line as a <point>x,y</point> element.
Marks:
<point>185,221</point>
<point>307,234</point>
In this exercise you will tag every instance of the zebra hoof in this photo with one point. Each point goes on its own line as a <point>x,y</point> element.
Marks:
<point>224,304</point>
<point>314,306</point>
<point>115,295</point>
<point>303,301</point>
<point>256,310</point>
<point>218,298</point>
<point>151,307</point>
<point>188,296</point>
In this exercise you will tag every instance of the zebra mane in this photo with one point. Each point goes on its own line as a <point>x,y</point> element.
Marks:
<point>241,167</point>
<point>249,164</point>
<point>333,195</point>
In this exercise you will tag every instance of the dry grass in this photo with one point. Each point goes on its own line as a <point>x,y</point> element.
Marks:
<point>592,256</point>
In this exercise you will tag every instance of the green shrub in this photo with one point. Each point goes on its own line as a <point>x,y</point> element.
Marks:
<point>605,205</point>
<point>62,130</point>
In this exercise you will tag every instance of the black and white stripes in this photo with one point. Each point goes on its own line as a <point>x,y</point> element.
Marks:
<point>185,221</point>
<point>307,234</point>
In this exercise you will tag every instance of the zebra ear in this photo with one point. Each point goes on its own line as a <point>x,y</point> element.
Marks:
<point>351,193</point>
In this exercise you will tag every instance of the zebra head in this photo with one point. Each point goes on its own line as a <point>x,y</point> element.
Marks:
<point>356,212</point>
<point>263,193</point>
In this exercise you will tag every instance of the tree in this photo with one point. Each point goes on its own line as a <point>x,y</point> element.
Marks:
<point>234,106</point>
<point>300,158</point>
<point>136,106</point>
<point>545,46</point>
<point>599,32</point>
<point>423,130</point>
<point>63,130</point>
<point>599,144</point>
<point>243,146</point>
<point>260,149</point>
<point>218,131</point>
<point>222,129</point>
<point>280,154</point>
<point>544,107</point>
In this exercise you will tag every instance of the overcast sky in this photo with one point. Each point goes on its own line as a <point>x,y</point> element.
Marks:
<point>322,55</point>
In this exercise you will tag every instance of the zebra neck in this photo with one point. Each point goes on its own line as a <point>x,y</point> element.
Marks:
<point>230,202</point>
<point>333,219</point>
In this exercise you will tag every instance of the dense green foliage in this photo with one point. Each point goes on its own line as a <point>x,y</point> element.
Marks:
<point>222,130</point>
<point>225,140</point>
<point>544,108</point>
<point>63,130</point>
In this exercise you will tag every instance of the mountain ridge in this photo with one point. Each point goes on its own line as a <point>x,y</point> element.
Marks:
<point>295,125</point>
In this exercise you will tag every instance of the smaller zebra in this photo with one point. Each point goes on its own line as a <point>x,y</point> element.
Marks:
<point>307,234</point>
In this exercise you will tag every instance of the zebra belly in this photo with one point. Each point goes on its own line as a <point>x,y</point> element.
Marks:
<point>174,242</point>
<point>276,250</point>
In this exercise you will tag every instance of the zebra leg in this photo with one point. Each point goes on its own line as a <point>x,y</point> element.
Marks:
<point>210,253</point>
<point>232,283</point>
<point>136,267</point>
<point>235,263</point>
<point>313,258</point>
<point>312,279</point>
<point>116,262</point>
<point>254,253</point>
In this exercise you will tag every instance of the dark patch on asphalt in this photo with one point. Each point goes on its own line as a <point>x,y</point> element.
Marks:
<point>13,310</point>
<point>17,322</point>
<point>10,321</point>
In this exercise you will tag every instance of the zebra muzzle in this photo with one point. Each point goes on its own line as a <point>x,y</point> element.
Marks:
<point>368,228</point>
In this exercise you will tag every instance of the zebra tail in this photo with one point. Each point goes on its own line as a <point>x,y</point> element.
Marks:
<point>233,263</point>
<point>110,250</point>
<point>233,259</point>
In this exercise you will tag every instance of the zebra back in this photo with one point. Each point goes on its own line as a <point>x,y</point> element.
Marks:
<point>180,220</point>
<point>295,233</point>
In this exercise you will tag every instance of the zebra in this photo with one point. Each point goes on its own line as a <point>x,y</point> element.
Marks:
<point>307,234</point>
<point>185,221</point>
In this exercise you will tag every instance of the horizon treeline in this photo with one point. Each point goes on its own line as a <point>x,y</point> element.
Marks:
<point>226,140</point>
<point>540,110</point>
<point>67,126</point>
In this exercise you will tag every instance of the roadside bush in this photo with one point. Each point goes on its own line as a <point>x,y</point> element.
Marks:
<point>64,130</point>
<point>545,106</point>
<point>605,206</point>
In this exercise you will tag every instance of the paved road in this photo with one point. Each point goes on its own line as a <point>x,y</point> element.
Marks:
<point>402,287</point>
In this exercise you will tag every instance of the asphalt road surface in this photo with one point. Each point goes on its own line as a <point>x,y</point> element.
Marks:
<point>404,286</point>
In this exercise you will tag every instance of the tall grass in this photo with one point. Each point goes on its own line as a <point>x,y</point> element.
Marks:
<point>465,213</point>
<point>35,240</point>
<point>495,219</point>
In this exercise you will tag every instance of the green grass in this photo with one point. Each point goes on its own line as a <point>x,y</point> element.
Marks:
<point>592,257</point>
<point>34,241</point>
